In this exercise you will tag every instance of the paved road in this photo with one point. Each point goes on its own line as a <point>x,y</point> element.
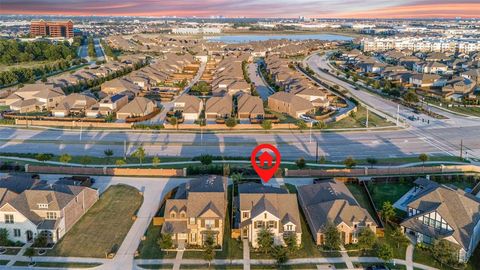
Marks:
<point>317,63</point>
<point>335,146</point>
<point>262,88</point>
<point>98,49</point>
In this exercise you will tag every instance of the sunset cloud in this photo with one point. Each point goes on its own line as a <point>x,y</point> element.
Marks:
<point>249,8</point>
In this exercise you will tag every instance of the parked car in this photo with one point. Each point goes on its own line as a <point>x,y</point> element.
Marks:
<point>378,267</point>
<point>307,119</point>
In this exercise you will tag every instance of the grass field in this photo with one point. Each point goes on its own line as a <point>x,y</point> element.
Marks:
<point>103,228</point>
<point>149,248</point>
<point>360,120</point>
<point>425,257</point>
<point>362,198</point>
<point>58,264</point>
<point>383,192</point>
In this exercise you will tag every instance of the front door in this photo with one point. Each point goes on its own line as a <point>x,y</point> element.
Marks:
<point>29,236</point>
<point>245,233</point>
<point>343,237</point>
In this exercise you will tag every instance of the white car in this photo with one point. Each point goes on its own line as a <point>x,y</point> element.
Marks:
<point>307,119</point>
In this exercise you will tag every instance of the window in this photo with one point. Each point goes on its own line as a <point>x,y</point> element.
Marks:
<point>193,237</point>
<point>245,214</point>
<point>209,223</point>
<point>192,221</point>
<point>172,214</point>
<point>183,215</point>
<point>289,228</point>
<point>51,215</point>
<point>258,224</point>
<point>9,219</point>
<point>43,205</point>
<point>16,233</point>
<point>271,224</point>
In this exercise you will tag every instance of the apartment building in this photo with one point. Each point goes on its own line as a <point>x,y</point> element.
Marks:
<point>419,44</point>
<point>55,29</point>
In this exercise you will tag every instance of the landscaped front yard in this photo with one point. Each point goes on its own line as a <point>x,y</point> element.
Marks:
<point>359,120</point>
<point>102,229</point>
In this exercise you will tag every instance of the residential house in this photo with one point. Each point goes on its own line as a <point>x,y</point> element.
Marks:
<point>190,106</point>
<point>219,107</point>
<point>438,211</point>
<point>430,67</point>
<point>290,104</point>
<point>197,208</point>
<point>265,207</point>
<point>138,107</point>
<point>427,80</point>
<point>330,202</point>
<point>73,104</point>
<point>120,85</point>
<point>34,97</point>
<point>473,75</point>
<point>48,210</point>
<point>107,106</point>
<point>250,107</point>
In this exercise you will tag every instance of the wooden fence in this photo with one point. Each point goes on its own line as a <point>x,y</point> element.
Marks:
<point>106,171</point>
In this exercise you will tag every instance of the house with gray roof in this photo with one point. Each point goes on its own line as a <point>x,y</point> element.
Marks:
<point>197,208</point>
<point>330,202</point>
<point>42,209</point>
<point>437,211</point>
<point>262,207</point>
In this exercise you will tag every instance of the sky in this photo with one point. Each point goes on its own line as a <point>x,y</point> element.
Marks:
<point>250,8</point>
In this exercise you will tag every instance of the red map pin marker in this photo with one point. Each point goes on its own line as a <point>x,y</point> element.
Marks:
<point>268,164</point>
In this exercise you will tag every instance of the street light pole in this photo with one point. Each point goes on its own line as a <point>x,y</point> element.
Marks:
<point>311,125</point>
<point>398,112</point>
<point>366,123</point>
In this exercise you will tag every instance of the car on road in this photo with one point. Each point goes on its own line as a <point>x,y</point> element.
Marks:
<point>307,119</point>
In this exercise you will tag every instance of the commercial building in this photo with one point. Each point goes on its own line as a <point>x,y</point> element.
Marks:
<point>51,29</point>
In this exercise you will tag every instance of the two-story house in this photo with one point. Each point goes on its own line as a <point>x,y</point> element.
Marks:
<point>443,212</point>
<point>263,207</point>
<point>50,210</point>
<point>197,208</point>
<point>330,202</point>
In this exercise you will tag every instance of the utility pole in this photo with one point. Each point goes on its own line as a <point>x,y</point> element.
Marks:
<point>366,122</point>
<point>311,125</point>
<point>316,153</point>
<point>125,149</point>
<point>461,148</point>
<point>81,129</point>
<point>398,112</point>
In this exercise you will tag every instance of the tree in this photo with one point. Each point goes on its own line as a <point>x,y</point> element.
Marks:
<point>43,157</point>
<point>410,97</point>
<point>301,124</point>
<point>350,162</point>
<point>398,237</point>
<point>155,161</point>
<point>266,125</point>
<point>280,254</point>
<point>173,121</point>
<point>30,252</point>
<point>65,158</point>
<point>388,212</point>
<point>423,158</point>
<point>4,237</point>
<point>366,238</point>
<point>372,161</point>
<point>40,241</point>
<point>120,162</point>
<point>384,252</point>
<point>265,240</point>
<point>108,153</point>
<point>300,163</point>
<point>140,154</point>
<point>231,122</point>
<point>209,248</point>
<point>322,160</point>
<point>445,252</point>
<point>332,237</point>
<point>291,242</point>
<point>165,242</point>
<point>206,159</point>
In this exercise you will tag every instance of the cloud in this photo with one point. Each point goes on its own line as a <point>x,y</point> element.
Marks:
<point>248,8</point>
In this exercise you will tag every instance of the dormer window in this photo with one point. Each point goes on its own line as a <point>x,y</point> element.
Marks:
<point>172,215</point>
<point>182,214</point>
<point>289,227</point>
<point>43,205</point>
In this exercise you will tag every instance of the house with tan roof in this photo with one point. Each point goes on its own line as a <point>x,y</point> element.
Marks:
<point>267,208</point>
<point>120,85</point>
<point>437,211</point>
<point>250,107</point>
<point>290,104</point>
<point>34,97</point>
<point>198,208</point>
<point>48,210</point>
<point>73,104</point>
<point>108,105</point>
<point>218,107</point>
<point>138,107</point>
<point>330,202</point>
<point>190,106</point>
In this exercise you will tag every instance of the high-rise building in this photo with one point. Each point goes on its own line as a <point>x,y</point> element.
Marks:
<point>51,29</point>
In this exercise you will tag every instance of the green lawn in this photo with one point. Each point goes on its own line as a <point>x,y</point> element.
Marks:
<point>156,266</point>
<point>362,198</point>
<point>383,192</point>
<point>425,257</point>
<point>360,120</point>
<point>285,267</point>
<point>390,265</point>
<point>4,262</point>
<point>149,248</point>
<point>284,118</point>
<point>212,267</point>
<point>103,228</point>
